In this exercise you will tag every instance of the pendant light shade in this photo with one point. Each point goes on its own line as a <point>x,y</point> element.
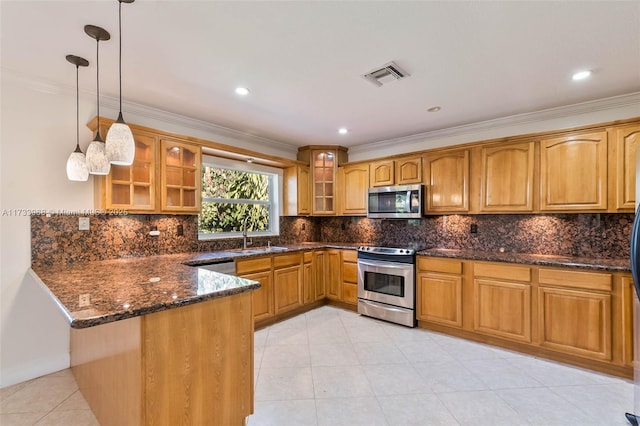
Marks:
<point>97,160</point>
<point>77,169</point>
<point>121,147</point>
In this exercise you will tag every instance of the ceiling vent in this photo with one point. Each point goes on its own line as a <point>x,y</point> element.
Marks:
<point>385,74</point>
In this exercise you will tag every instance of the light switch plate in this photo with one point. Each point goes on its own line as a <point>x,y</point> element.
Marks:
<point>83,224</point>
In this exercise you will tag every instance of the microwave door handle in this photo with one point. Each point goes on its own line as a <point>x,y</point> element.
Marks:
<point>408,203</point>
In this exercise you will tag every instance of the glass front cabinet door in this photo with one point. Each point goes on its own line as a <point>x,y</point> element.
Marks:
<point>181,168</point>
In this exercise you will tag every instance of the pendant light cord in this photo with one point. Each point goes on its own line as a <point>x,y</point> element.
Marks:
<point>77,110</point>
<point>99,136</point>
<point>120,50</point>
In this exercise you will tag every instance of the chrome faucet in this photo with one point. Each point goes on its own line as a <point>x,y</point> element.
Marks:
<point>244,234</point>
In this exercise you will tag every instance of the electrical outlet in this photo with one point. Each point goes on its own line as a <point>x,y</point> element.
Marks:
<point>84,300</point>
<point>304,226</point>
<point>474,228</point>
<point>180,231</point>
<point>83,224</point>
<point>343,227</point>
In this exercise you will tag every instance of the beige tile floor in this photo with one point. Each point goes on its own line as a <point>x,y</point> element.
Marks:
<point>333,367</point>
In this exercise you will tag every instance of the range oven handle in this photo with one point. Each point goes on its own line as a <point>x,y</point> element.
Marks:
<point>382,264</point>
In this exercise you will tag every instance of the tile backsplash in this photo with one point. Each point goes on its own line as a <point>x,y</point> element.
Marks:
<point>56,239</point>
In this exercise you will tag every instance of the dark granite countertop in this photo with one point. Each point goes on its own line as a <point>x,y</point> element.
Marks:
<point>130,287</point>
<point>603,264</point>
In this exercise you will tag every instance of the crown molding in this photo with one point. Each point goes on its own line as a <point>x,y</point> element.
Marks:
<point>622,101</point>
<point>152,113</point>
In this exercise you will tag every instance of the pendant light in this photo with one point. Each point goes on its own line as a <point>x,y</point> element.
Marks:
<point>121,147</point>
<point>97,160</point>
<point>77,163</point>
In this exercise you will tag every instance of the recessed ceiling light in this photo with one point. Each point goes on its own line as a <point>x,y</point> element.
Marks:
<point>434,109</point>
<point>343,131</point>
<point>249,160</point>
<point>581,75</point>
<point>242,91</point>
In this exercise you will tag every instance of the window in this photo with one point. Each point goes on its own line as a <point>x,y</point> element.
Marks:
<point>235,193</point>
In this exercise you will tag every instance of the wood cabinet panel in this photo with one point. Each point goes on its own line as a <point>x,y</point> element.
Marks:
<point>350,256</point>
<point>408,171</point>
<point>439,298</point>
<point>502,308</point>
<point>263,306</point>
<point>284,260</point>
<point>447,179</point>
<point>198,363</point>
<point>247,266</point>
<point>349,272</point>
<point>628,297</point>
<point>308,290</point>
<point>502,271</point>
<point>350,293</point>
<point>382,173</point>
<point>573,172</point>
<point>353,188</point>
<point>297,191</point>
<point>288,288</point>
<point>320,273</point>
<point>334,274</point>
<point>447,266</point>
<point>575,322</point>
<point>576,279</point>
<point>506,182</point>
<point>626,140</point>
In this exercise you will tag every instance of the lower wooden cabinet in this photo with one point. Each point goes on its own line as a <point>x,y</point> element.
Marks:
<point>573,315</point>
<point>439,291</point>
<point>259,269</point>
<point>350,277</point>
<point>308,282</point>
<point>319,274</point>
<point>574,312</point>
<point>334,274</point>
<point>502,300</point>
<point>287,282</point>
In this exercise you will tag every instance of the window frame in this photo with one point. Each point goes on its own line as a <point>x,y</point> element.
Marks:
<point>275,196</point>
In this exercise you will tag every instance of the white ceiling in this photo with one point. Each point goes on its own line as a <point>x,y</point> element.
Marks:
<point>303,61</point>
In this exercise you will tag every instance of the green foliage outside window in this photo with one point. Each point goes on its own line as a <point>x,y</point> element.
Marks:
<point>231,196</point>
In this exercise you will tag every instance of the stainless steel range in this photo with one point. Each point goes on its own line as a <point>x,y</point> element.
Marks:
<point>386,284</point>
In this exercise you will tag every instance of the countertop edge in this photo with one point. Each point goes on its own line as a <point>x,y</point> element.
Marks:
<point>526,259</point>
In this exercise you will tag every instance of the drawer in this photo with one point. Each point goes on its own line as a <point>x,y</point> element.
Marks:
<point>249,266</point>
<point>350,293</point>
<point>282,261</point>
<point>308,256</point>
<point>350,272</point>
<point>350,256</point>
<point>434,264</point>
<point>576,279</point>
<point>504,272</point>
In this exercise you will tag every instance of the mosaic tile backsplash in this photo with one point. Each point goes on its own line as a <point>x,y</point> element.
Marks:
<point>56,239</point>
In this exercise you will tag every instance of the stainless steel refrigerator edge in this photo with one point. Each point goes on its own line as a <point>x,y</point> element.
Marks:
<point>635,271</point>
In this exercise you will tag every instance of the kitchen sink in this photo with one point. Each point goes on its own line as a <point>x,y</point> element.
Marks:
<point>258,250</point>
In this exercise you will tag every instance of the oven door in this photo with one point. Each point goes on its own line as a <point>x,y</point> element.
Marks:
<point>386,282</point>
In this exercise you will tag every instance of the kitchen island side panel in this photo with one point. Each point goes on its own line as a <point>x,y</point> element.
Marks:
<point>191,365</point>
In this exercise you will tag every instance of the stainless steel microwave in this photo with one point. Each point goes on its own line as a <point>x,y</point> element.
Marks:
<point>395,202</point>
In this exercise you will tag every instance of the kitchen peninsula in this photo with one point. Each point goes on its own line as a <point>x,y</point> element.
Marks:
<point>156,340</point>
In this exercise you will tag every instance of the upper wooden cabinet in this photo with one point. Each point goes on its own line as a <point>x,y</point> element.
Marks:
<point>506,180</point>
<point>447,179</point>
<point>165,175</point>
<point>181,181</point>
<point>353,185</point>
<point>132,187</point>
<point>624,143</point>
<point>324,162</point>
<point>401,171</point>
<point>573,172</point>
<point>297,191</point>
